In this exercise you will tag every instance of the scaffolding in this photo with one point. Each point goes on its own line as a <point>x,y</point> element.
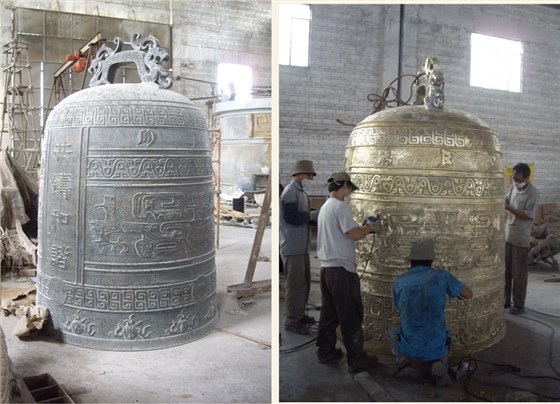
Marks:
<point>215,138</point>
<point>21,135</point>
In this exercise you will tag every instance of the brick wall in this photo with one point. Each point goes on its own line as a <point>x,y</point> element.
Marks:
<point>354,50</point>
<point>342,72</point>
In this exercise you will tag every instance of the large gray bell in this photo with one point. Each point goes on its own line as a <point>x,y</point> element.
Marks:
<point>126,221</point>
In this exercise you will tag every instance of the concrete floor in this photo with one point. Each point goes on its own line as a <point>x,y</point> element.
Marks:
<point>532,343</point>
<point>231,364</point>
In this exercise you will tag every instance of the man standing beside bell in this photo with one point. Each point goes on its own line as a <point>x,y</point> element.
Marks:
<point>294,247</point>
<point>521,205</point>
<point>341,299</point>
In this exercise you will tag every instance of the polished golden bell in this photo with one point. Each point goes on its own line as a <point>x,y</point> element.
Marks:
<point>430,174</point>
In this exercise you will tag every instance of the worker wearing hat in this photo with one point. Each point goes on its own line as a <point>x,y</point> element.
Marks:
<point>294,247</point>
<point>340,283</point>
<point>419,295</point>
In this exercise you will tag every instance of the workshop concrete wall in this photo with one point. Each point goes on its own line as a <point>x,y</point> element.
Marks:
<point>354,52</point>
<point>205,33</point>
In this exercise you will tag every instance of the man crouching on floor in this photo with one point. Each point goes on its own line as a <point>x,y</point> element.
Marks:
<point>419,295</point>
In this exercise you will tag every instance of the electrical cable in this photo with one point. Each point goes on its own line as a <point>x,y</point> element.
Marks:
<point>517,388</point>
<point>551,342</point>
<point>515,370</point>
<point>470,372</point>
<point>298,348</point>
<point>380,102</point>
<point>368,257</point>
<point>544,314</point>
<point>307,344</point>
<point>468,379</point>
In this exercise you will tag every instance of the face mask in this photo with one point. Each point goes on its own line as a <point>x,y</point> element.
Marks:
<point>305,181</point>
<point>520,185</point>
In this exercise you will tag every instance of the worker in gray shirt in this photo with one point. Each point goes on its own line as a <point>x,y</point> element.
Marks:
<point>521,204</point>
<point>294,247</point>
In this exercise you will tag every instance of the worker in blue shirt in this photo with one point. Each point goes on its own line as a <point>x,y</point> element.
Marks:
<point>419,295</point>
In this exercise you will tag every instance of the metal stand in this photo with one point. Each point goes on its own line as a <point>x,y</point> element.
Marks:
<point>248,289</point>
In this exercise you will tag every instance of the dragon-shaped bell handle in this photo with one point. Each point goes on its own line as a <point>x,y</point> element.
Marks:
<point>147,55</point>
<point>429,87</point>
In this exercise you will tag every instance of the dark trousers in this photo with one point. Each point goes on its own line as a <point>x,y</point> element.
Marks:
<point>341,305</point>
<point>517,274</point>
<point>297,271</point>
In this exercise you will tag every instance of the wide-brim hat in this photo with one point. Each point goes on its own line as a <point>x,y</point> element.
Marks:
<point>304,166</point>
<point>422,250</point>
<point>341,177</point>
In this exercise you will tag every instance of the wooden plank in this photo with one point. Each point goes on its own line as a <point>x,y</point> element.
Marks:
<point>29,272</point>
<point>255,288</point>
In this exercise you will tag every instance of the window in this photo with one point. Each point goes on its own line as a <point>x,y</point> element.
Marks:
<point>496,63</point>
<point>295,20</point>
<point>235,82</point>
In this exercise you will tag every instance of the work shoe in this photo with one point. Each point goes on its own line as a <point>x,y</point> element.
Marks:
<point>405,368</point>
<point>301,329</point>
<point>333,355</point>
<point>307,320</point>
<point>440,374</point>
<point>404,363</point>
<point>516,310</point>
<point>507,305</point>
<point>364,363</point>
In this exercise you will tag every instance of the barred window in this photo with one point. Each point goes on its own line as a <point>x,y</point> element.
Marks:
<point>496,63</point>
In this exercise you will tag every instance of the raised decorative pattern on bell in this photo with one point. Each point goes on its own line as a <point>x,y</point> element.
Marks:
<point>431,174</point>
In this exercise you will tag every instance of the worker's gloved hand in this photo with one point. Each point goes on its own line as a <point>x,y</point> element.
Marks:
<point>373,223</point>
